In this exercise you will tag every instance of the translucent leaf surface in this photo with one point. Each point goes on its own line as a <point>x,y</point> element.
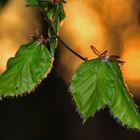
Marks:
<point>90,86</point>
<point>121,104</point>
<point>30,65</point>
<point>99,82</point>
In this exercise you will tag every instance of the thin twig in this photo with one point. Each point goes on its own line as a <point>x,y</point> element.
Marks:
<point>46,18</point>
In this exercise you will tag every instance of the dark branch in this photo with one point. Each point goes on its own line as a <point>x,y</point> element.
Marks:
<point>46,18</point>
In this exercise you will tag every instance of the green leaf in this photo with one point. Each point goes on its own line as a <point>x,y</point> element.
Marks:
<point>99,82</point>
<point>61,12</point>
<point>32,3</point>
<point>121,104</point>
<point>53,40</point>
<point>30,65</point>
<point>90,86</point>
<point>56,13</point>
<point>51,9</point>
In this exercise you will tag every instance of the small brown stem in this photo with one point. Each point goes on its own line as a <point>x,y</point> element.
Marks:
<point>103,54</point>
<point>95,51</point>
<point>46,18</point>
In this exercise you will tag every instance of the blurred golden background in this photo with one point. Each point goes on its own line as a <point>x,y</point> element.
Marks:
<point>16,23</point>
<point>107,24</point>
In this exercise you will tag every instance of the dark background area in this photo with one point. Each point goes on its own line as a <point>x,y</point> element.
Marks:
<point>3,2</point>
<point>49,114</point>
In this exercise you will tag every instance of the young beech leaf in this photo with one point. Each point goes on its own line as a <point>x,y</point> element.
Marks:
<point>99,82</point>
<point>32,3</point>
<point>30,65</point>
<point>121,104</point>
<point>91,86</point>
<point>50,8</point>
<point>62,12</point>
<point>55,13</point>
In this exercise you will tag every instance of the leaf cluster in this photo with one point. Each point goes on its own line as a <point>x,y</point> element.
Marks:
<point>96,83</point>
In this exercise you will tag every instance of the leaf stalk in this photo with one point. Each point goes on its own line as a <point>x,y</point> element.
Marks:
<point>46,18</point>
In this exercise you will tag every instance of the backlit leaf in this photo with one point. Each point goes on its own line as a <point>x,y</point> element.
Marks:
<point>90,86</point>
<point>99,82</point>
<point>121,104</point>
<point>30,65</point>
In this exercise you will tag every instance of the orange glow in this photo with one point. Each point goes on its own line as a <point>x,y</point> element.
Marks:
<point>81,28</point>
<point>102,23</point>
<point>6,52</point>
<point>116,12</point>
<point>131,55</point>
<point>15,27</point>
